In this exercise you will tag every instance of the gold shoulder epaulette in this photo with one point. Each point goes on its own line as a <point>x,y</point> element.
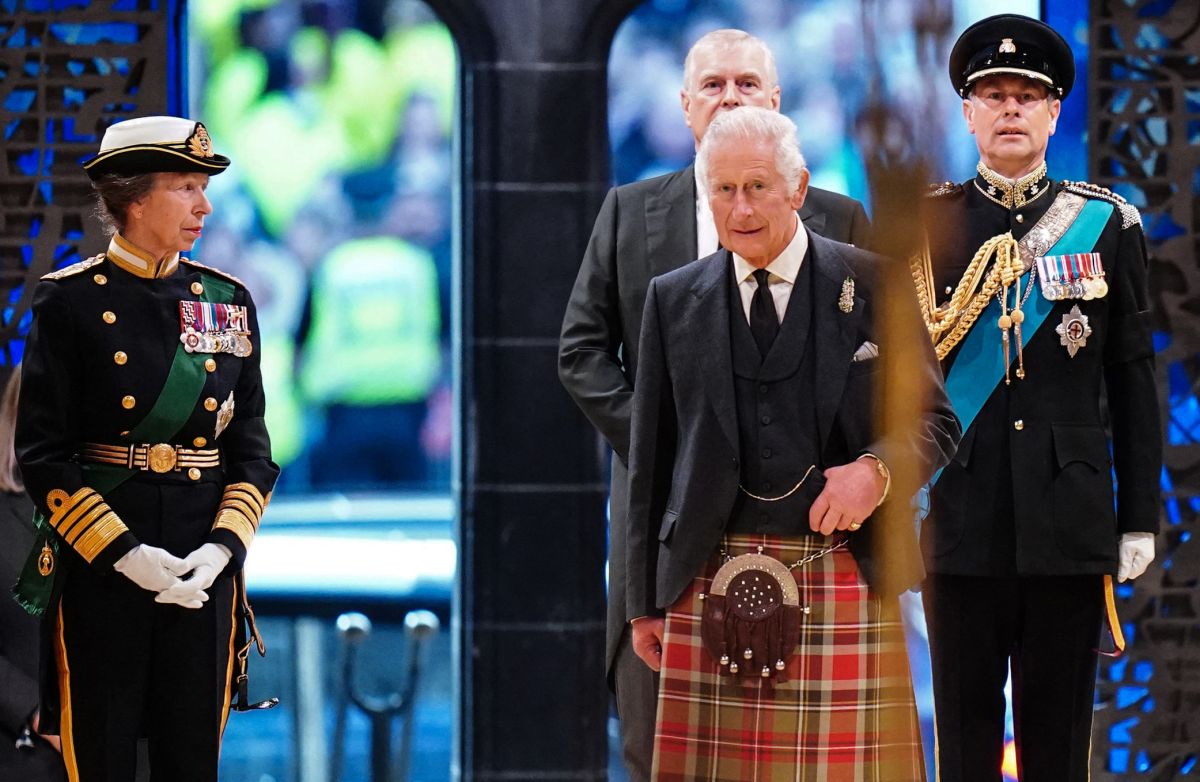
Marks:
<point>944,189</point>
<point>1129,213</point>
<point>218,272</point>
<point>74,268</point>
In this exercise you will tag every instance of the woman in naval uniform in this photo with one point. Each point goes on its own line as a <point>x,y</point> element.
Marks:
<point>141,439</point>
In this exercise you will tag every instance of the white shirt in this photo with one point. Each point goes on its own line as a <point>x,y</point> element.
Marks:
<point>706,227</point>
<point>783,273</point>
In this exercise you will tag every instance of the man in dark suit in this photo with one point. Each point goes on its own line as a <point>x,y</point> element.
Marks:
<point>1022,531</point>
<point>755,427</point>
<point>645,229</point>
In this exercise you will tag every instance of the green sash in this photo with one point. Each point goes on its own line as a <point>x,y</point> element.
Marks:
<point>175,403</point>
<point>979,366</point>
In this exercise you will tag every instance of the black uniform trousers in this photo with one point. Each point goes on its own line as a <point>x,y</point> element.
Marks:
<point>129,667</point>
<point>1048,627</point>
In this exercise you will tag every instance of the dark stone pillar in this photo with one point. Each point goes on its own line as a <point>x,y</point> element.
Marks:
<point>533,702</point>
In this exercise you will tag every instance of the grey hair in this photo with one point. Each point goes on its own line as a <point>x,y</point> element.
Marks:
<point>115,194</point>
<point>728,39</point>
<point>749,124</point>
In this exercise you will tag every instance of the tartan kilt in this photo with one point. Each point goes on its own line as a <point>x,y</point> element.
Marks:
<point>846,712</point>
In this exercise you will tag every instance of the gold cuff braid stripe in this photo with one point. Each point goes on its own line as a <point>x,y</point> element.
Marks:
<point>105,531</point>
<point>246,491</point>
<point>82,510</point>
<point>90,518</point>
<point>237,523</point>
<point>84,520</point>
<point>241,511</point>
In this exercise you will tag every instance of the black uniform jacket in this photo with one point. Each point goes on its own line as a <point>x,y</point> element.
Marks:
<point>644,229</point>
<point>103,340</point>
<point>1030,490</point>
<point>684,460</point>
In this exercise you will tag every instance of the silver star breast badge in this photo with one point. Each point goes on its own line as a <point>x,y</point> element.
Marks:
<point>224,416</point>
<point>1073,331</point>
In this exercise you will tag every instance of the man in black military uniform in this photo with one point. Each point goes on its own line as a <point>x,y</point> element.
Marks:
<point>645,229</point>
<point>1035,294</point>
<point>141,439</point>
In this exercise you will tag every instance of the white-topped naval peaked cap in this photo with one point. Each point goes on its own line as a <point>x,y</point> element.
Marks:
<point>148,145</point>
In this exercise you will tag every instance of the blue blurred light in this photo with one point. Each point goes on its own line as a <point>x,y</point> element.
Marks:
<point>73,97</point>
<point>19,101</point>
<point>90,34</point>
<point>1127,696</point>
<point>1118,760</point>
<point>1122,732</point>
<point>27,164</point>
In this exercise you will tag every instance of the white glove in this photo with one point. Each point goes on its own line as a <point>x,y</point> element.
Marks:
<point>1136,554</point>
<point>205,564</point>
<point>182,595</point>
<point>150,568</point>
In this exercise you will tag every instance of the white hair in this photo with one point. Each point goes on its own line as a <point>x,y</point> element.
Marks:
<point>749,124</point>
<point>727,39</point>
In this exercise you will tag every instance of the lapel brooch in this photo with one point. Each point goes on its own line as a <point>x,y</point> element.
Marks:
<point>846,300</point>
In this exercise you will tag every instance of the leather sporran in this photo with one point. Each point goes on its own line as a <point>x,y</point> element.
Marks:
<point>751,619</point>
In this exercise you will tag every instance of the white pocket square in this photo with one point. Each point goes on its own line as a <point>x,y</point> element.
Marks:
<point>866,351</point>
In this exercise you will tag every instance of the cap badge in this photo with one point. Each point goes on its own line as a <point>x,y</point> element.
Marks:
<point>199,144</point>
<point>1007,46</point>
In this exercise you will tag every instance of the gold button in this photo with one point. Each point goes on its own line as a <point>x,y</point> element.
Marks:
<point>210,404</point>
<point>128,402</point>
<point>109,316</point>
<point>210,365</point>
<point>1018,424</point>
<point>197,288</point>
<point>100,279</point>
<point>1020,218</point>
<point>199,442</point>
<point>194,473</point>
<point>120,358</point>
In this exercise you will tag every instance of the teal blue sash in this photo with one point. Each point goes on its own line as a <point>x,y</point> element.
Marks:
<point>979,366</point>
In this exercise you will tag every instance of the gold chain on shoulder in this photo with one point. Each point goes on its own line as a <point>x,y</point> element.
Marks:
<point>969,299</point>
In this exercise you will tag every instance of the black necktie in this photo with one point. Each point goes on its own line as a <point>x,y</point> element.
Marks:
<point>764,321</point>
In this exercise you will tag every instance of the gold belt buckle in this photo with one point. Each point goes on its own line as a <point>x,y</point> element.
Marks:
<point>161,457</point>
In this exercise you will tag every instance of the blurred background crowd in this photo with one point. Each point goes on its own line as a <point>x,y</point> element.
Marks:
<point>340,116</point>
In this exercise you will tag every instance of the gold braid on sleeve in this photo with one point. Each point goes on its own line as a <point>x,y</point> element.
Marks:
<point>949,323</point>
